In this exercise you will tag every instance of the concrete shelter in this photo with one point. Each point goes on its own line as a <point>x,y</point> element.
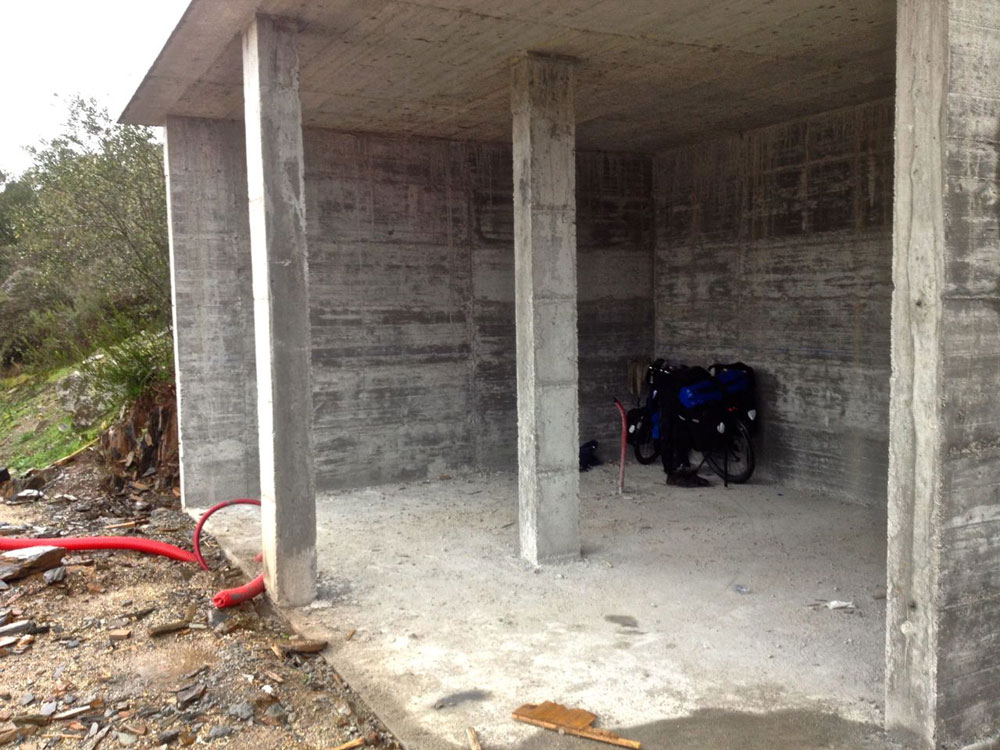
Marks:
<point>415,238</point>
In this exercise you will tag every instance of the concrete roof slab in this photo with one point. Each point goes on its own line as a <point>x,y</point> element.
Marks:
<point>652,73</point>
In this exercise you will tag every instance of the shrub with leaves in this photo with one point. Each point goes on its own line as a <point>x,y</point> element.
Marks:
<point>126,370</point>
<point>86,239</point>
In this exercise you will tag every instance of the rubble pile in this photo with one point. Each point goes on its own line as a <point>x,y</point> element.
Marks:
<point>115,649</point>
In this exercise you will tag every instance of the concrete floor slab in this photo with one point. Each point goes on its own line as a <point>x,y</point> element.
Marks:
<point>648,630</point>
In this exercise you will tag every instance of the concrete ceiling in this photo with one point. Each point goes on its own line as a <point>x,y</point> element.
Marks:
<point>653,73</point>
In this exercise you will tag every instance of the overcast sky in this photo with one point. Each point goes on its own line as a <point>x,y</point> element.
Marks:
<point>53,49</point>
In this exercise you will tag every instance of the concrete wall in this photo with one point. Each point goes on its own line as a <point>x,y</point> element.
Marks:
<point>968,670</point>
<point>412,297</point>
<point>943,649</point>
<point>775,248</point>
<point>213,310</point>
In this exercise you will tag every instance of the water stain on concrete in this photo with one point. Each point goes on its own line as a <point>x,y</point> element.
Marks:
<point>626,621</point>
<point>464,696</point>
<point>715,729</point>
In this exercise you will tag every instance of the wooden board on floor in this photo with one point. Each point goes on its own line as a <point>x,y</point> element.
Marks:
<point>573,721</point>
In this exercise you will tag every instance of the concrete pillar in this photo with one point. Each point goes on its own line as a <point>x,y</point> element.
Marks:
<point>943,639</point>
<point>281,307</point>
<point>205,164</point>
<point>545,301</point>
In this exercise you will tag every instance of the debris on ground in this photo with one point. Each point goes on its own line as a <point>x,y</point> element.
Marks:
<point>19,563</point>
<point>473,739</point>
<point>835,604</point>
<point>115,649</point>
<point>575,721</point>
<point>298,646</point>
<point>357,742</point>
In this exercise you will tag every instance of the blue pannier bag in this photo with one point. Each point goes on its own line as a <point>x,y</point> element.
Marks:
<point>700,393</point>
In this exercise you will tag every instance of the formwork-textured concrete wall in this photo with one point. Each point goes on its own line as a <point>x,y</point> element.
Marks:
<point>213,310</point>
<point>412,302</point>
<point>968,669</point>
<point>775,248</point>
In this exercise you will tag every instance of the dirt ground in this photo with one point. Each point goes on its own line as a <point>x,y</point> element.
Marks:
<point>90,658</point>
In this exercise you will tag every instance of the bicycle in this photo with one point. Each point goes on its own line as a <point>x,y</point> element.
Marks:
<point>716,406</point>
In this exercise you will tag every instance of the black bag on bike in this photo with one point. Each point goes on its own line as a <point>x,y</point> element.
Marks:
<point>700,403</point>
<point>739,385</point>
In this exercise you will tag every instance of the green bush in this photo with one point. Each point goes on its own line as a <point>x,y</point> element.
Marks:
<point>83,237</point>
<point>127,366</point>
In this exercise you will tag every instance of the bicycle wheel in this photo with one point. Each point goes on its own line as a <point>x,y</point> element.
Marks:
<point>740,464</point>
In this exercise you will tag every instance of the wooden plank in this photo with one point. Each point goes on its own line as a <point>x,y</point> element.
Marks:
<point>575,721</point>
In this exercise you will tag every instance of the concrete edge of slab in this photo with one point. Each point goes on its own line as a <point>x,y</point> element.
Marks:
<point>395,717</point>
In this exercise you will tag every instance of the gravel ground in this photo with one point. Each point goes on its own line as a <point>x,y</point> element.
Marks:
<point>224,679</point>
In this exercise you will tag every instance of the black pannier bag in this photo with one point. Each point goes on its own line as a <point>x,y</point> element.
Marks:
<point>739,385</point>
<point>700,401</point>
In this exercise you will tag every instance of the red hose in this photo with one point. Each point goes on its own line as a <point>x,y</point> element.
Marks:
<point>136,544</point>
<point>225,598</point>
<point>228,597</point>
<point>240,594</point>
<point>208,514</point>
<point>621,463</point>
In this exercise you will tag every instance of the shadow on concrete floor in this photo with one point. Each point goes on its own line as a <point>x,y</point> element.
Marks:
<point>734,730</point>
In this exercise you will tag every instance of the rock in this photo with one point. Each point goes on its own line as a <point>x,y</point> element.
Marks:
<point>17,628</point>
<point>242,711</point>
<point>37,479</point>
<point>72,713</point>
<point>169,737</point>
<point>96,736</point>
<point>48,708</point>
<point>127,740</point>
<point>78,397</point>
<point>55,575</point>
<point>26,700</point>
<point>34,720</point>
<point>275,715</point>
<point>189,695</point>
<point>19,563</point>
<point>17,733</point>
<point>122,634</point>
<point>28,496</point>
<point>217,616</point>
<point>219,732</point>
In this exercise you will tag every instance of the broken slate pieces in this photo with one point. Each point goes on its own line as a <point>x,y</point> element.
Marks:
<point>19,563</point>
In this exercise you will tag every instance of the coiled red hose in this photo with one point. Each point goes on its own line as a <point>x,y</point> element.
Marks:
<point>223,599</point>
<point>240,594</point>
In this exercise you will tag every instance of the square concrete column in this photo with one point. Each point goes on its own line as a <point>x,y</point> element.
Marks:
<point>212,310</point>
<point>943,618</point>
<point>281,307</point>
<point>545,302</point>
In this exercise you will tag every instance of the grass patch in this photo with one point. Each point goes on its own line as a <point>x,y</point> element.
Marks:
<point>34,429</point>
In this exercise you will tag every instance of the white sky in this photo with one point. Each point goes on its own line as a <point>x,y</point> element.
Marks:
<point>53,49</point>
